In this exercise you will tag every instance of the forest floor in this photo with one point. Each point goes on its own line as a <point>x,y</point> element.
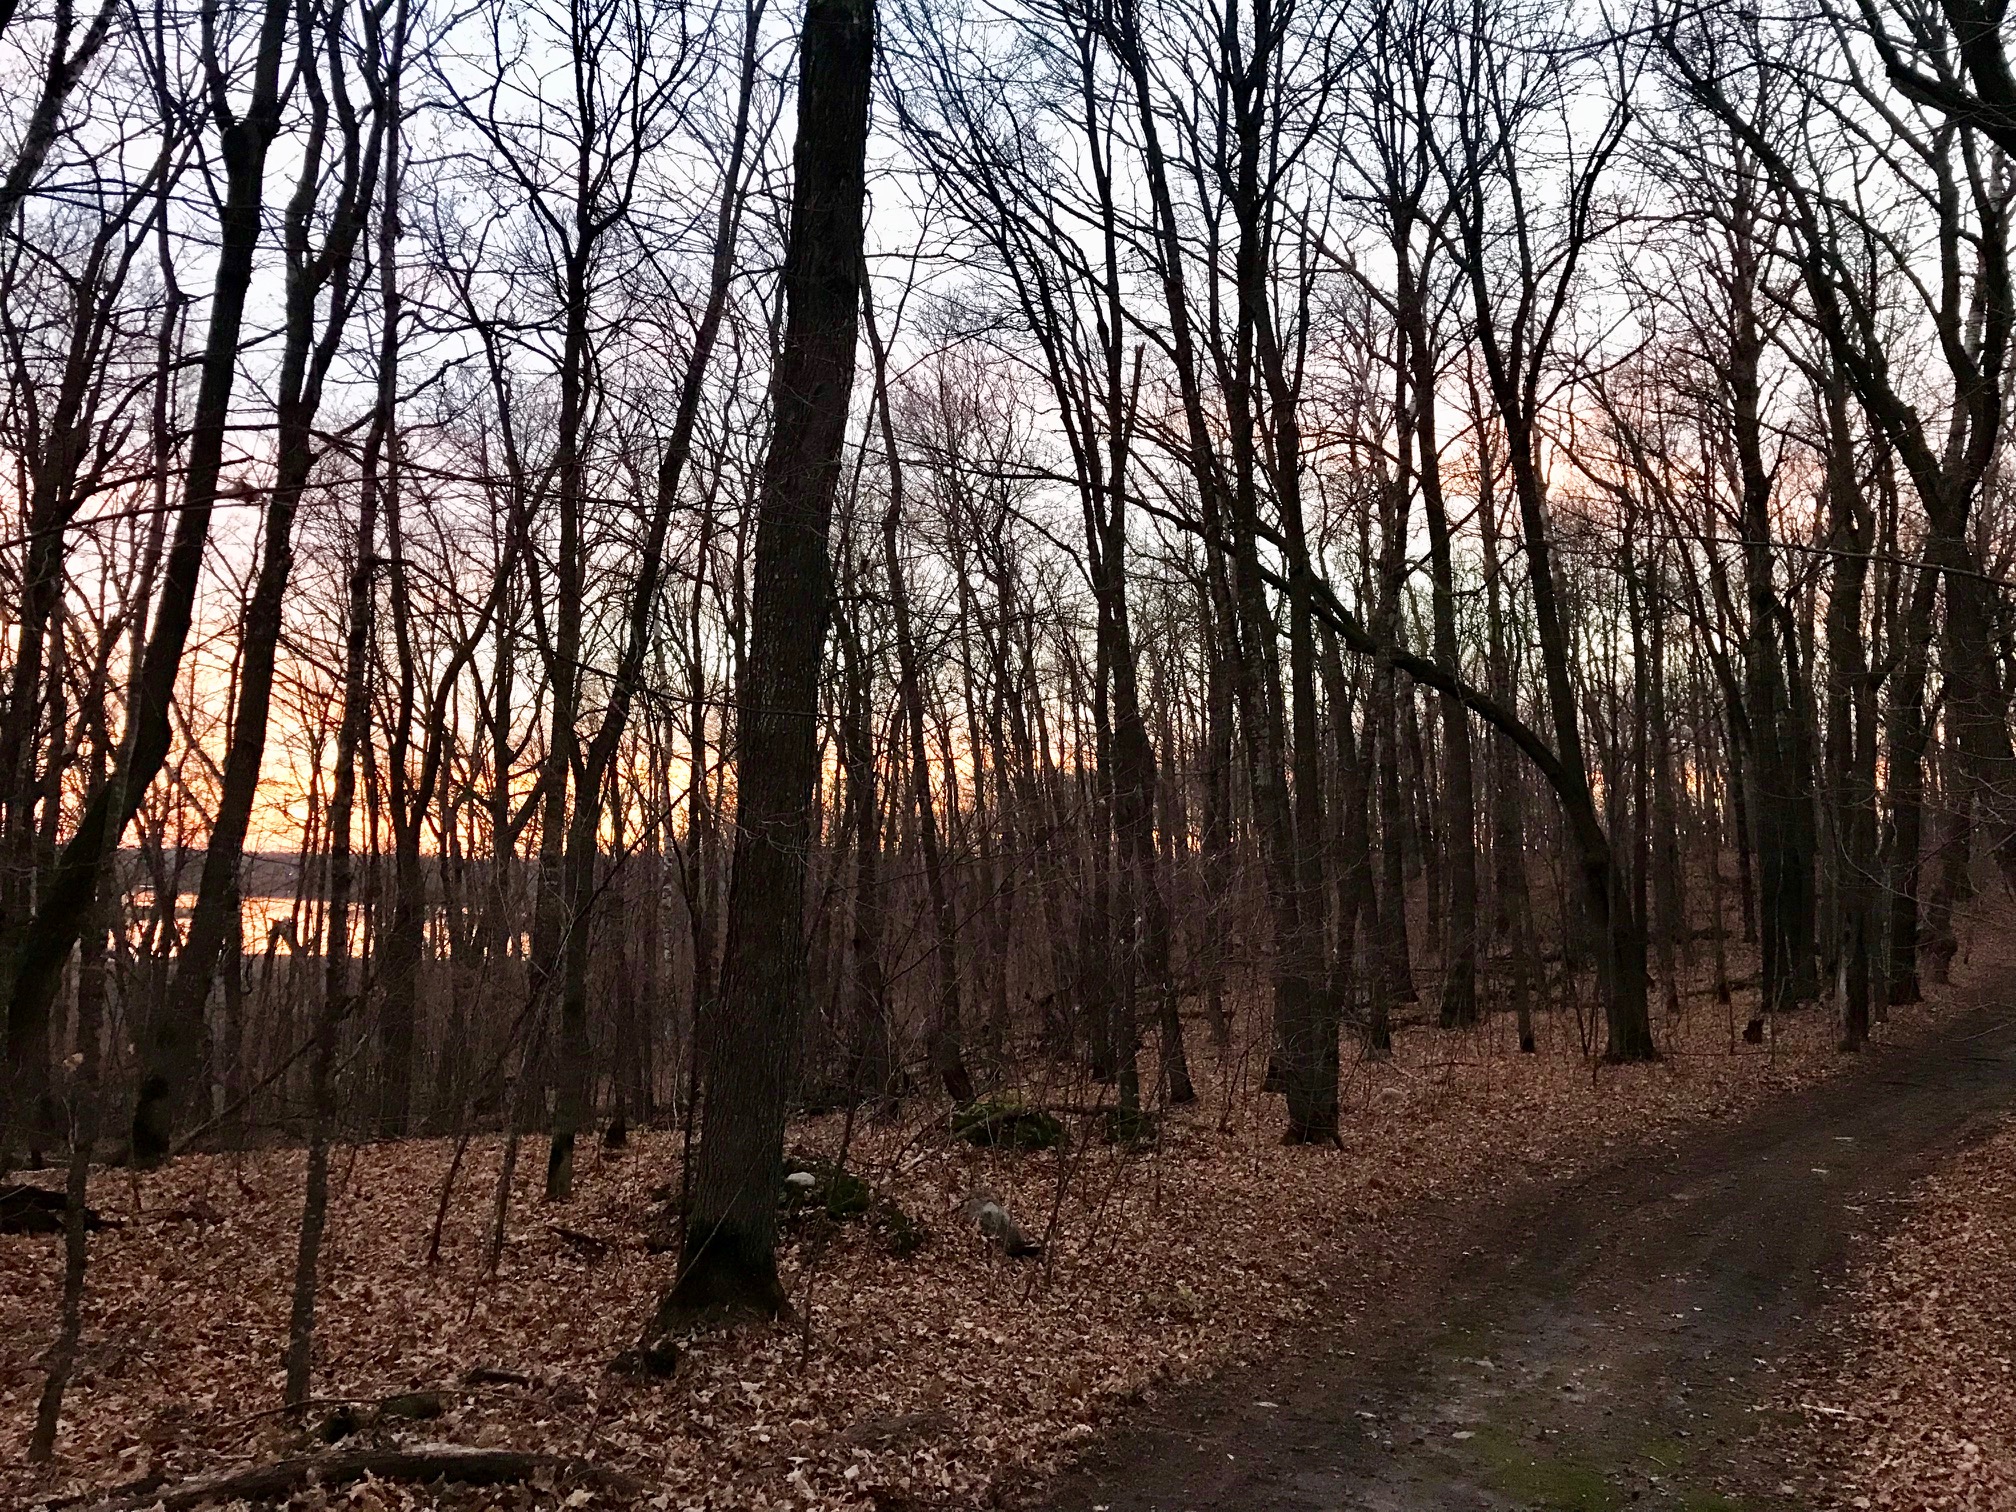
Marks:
<point>1681,1329</point>
<point>1907,1397</point>
<point>1491,1290</point>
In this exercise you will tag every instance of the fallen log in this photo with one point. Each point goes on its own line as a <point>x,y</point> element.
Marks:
<point>39,1210</point>
<point>413,1462</point>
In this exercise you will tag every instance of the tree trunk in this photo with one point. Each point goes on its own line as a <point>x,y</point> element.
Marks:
<point>169,1052</point>
<point>584,833</point>
<point>729,1257</point>
<point>1851,724</point>
<point>1459,800</point>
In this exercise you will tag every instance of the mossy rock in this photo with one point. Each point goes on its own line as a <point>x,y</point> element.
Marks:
<point>832,1189</point>
<point>1133,1127</point>
<point>1007,1122</point>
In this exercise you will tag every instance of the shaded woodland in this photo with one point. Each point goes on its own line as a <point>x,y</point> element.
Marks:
<point>643,563</point>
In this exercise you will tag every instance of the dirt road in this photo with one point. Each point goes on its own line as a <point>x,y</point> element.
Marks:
<point>1601,1346</point>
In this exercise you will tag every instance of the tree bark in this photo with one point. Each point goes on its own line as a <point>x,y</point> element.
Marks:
<point>728,1258</point>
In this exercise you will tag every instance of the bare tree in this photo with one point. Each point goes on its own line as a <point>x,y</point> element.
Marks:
<point>729,1258</point>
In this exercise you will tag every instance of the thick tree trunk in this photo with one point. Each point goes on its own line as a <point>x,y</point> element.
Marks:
<point>1977,701</point>
<point>1299,1015</point>
<point>729,1256</point>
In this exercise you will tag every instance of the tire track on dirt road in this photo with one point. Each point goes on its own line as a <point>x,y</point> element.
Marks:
<point>1593,1347</point>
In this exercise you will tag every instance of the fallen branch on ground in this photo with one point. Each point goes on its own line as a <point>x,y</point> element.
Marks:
<point>39,1210</point>
<point>417,1462</point>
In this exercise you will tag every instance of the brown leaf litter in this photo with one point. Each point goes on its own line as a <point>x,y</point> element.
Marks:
<point>1913,1401</point>
<point>951,1377</point>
